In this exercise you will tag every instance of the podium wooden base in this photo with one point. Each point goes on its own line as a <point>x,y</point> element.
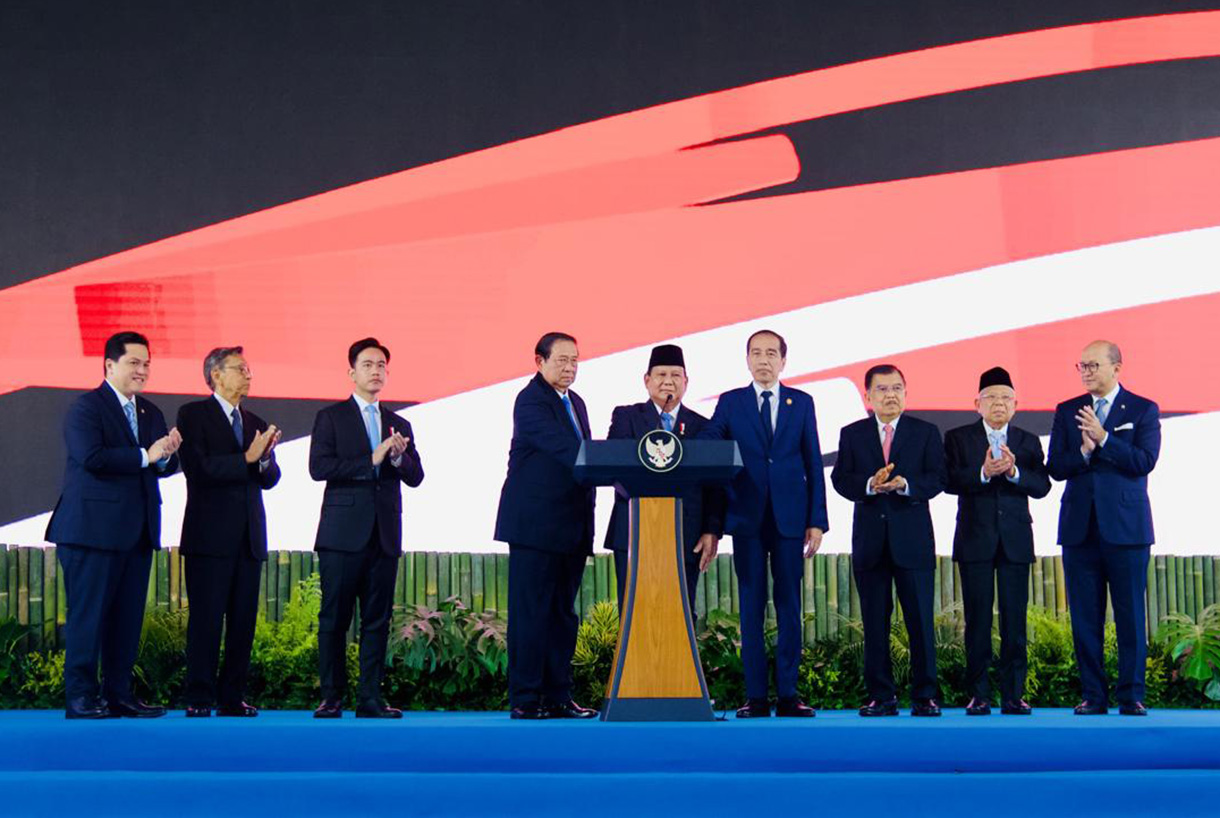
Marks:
<point>657,675</point>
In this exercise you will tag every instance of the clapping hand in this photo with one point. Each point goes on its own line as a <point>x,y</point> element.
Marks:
<point>165,447</point>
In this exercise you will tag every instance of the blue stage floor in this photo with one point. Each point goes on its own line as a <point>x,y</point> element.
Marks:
<point>484,764</point>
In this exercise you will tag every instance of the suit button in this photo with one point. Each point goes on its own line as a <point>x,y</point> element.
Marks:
<point>883,516</point>
<point>1001,512</point>
<point>769,460</point>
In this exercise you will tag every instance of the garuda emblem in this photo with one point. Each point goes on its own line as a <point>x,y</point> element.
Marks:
<point>660,451</point>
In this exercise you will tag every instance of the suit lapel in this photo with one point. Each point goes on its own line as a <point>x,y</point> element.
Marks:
<point>750,400</point>
<point>902,434</point>
<point>1114,418</point>
<point>781,417</point>
<point>873,440</point>
<point>111,401</point>
<point>216,416</point>
<point>358,416</point>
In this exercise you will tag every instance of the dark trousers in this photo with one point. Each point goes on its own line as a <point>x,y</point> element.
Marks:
<point>750,558</point>
<point>1088,569</point>
<point>621,558</point>
<point>106,592</point>
<point>542,624</point>
<point>223,594</point>
<point>876,586</point>
<point>979,583</point>
<point>347,576</point>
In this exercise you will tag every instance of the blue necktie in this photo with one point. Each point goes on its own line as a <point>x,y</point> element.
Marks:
<point>239,431</point>
<point>667,421</point>
<point>370,423</point>
<point>765,411</point>
<point>996,441</point>
<point>129,409</point>
<point>567,404</point>
<point>1101,410</point>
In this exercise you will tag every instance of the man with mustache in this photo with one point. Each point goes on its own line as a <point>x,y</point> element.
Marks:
<point>1104,444</point>
<point>776,514</point>
<point>363,451</point>
<point>994,468</point>
<point>890,465</point>
<point>107,523</point>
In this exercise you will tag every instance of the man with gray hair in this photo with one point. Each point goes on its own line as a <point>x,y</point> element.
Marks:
<point>229,462</point>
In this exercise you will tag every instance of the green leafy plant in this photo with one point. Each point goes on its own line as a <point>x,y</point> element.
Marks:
<point>593,659</point>
<point>11,634</point>
<point>160,668</point>
<point>1196,646</point>
<point>284,657</point>
<point>42,682</point>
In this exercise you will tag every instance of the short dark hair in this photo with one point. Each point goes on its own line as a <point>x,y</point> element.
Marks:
<point>881,369</point>
<point>116,345</point>
<point>355,349</point>
<point>215,360</point>
<point>547,342</point>
<point>783,345</point>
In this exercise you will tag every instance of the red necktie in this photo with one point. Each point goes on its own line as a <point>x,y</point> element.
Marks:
<point>885,444</point>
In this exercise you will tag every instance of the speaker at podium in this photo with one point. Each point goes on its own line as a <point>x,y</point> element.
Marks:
<point>657,675</point>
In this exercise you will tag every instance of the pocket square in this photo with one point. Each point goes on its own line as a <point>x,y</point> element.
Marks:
<point>1125,427</point>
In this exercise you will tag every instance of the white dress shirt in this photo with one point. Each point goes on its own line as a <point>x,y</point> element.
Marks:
<point>774,390</point>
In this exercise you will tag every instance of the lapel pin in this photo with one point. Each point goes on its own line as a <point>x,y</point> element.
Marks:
<point>788,401</point>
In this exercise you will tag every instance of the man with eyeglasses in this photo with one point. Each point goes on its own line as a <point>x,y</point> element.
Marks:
<point>228,459</point>
<point>1104,444</point>
<point>994,468</point>
<point>364,452</point>
<point>546,517</point>
<point>890,465</point>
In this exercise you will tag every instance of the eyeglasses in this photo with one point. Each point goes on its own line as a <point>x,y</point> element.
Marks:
<point>1091,367</point>
<point>564,360</point>
<point>243,369</point>
<point>997,398</point>
<point>896,389</point>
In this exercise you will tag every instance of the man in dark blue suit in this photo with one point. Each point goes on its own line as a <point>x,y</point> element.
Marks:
<point>1104,444</point>
<point>776,510</point>
<point>702,509</point>
<point>546,517</point>
<point>106,524</point>
<point>228,459</point>
<point>994,468</point>
<point>365,453</point>
<point>890,465</point>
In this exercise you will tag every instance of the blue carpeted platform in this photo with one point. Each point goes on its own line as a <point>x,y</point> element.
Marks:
<point>484,764</point>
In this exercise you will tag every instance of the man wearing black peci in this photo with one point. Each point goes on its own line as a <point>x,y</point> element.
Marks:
<point>363,451</point>
<point>227,457</point>
<point>994,468</point>
<point>702,509</point>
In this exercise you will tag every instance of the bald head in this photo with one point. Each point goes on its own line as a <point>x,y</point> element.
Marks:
<point>1100,363</point>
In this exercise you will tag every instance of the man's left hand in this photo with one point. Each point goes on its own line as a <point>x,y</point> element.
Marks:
<point>813,541</point>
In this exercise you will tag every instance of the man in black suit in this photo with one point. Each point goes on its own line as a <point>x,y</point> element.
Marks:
<point>702,509</point>
<point>363,451</point>
<point>228,461</point>
<point>546,517</point>
<point>107,523</point>
<point>994,468</point>
<point>890,465</point>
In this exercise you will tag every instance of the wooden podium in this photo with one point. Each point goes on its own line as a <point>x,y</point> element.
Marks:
<point>657,675</point>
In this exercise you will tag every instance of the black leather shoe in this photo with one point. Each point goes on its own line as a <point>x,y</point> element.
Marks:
<point>1088,708</point>
<point>570,710</point>
<point>925,708</point>
<point>377,710</point>
<point>329,709</point>
<point>135,709</point>
<point>530,711</point>
<point>755,709</point>
<point>198,712</point>
<point>978,707</point>
<point>240,710</point>
<point>1133,709</point>
<point>794,708</point>
<point>1017,708</point>
<point>87,708</point>
<point>876,708</point>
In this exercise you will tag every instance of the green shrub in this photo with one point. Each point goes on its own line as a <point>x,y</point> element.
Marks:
<point>160,669</point>
<point>284,657</point>
<point>42,680</point>
<point>593,660</point>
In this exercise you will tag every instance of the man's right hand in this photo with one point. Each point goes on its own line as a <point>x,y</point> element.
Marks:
<point>879,480</point>
<point>379,454</point>
<point>259,444</point>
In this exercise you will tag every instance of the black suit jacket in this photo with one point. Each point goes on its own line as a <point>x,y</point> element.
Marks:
<point>997,511</point>
<point>702,509</point>
<point>541,504</point>
<point>108,499</point>
<point>357,492</point>
<point>903,521</point>
<point>224,493</point>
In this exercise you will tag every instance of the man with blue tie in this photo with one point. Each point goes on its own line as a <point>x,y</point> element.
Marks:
<point>776,512</point>
<point>890,465</point>
<point>702,508</point>
<point>106,524</point>
<point>546,517</point>
<point>1104,444</point>
<point>365,453</point>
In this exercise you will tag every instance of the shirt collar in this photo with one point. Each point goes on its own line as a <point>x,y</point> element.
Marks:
<point>673,411</point>
<point>1003,430</point>
<point>122,400</point>
<point>363,404</point>
<point>1109,398</point>
<point>225,405</point>
<point>881,423</point>
<point>758,390</point>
